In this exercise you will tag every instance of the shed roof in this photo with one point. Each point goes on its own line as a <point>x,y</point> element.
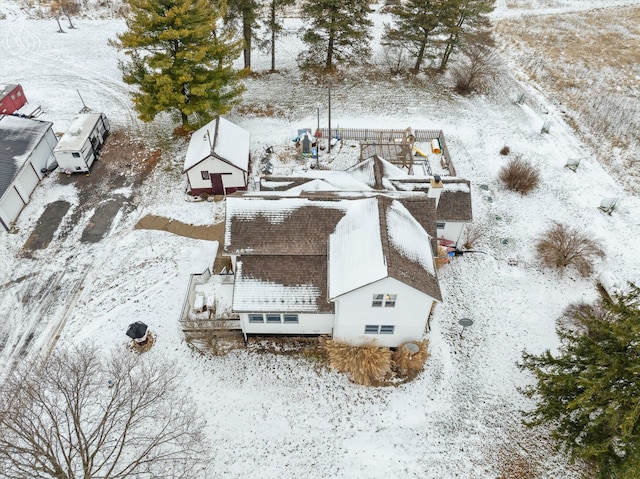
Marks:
<point>18,138</point>
<point>231,143</point>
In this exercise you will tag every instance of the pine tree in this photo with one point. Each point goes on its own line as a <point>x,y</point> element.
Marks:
<point>589,392</point>
<point>338,32</point>
<point>181,59</point>
<point>246,11</point>
<point>460,18</point>
<point>415,22</point>
<point>273,25</point>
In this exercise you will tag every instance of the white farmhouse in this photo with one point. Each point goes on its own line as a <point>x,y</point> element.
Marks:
<point>356,266</point>
<point>217,160</point>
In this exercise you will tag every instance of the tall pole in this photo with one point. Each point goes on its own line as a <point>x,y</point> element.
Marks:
<point>329,137</point>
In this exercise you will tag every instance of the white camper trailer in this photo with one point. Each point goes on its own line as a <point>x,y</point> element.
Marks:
<point>79,146</point>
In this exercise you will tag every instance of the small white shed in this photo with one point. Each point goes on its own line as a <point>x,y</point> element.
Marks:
<point>217,160</point>
<point>26,147</point>
<point>79,146</point>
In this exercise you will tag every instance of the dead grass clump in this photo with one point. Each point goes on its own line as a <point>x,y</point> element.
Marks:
<point>367,364</point>
<point>407,364</point>
<point>505,150</point>
<point>520,176</point>
<point>563,246</point>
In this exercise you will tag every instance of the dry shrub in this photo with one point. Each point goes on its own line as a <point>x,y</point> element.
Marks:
<point>505,150</point>
<point>562,246</point>
<point>473,232</point>
<point>367,364</point>
<point>520,176</point>
<point>442,258</point>
<point>574,316</point>
<point>407,364</point>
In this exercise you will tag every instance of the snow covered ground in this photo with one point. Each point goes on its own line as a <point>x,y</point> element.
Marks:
<point>278,416</point>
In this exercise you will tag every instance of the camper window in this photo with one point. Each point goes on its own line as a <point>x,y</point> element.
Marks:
<point>75,154</point>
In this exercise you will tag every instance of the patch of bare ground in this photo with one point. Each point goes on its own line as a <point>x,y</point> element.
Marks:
<point>529,454</point>
<point>589,62</point>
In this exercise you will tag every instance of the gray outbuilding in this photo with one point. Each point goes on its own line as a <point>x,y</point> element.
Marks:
<point>26,147</point>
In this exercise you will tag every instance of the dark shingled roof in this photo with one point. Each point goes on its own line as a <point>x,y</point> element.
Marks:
<point>18,138</point>
<point>455,205</point>
<point>295,272</point>
<point>399,266</point>
<point>304,231</point>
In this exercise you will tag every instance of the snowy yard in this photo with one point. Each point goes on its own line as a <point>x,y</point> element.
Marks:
<point>271,416</point>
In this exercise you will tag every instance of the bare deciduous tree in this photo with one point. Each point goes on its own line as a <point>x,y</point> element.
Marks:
<point>79,415</point>
<point>477,70</point>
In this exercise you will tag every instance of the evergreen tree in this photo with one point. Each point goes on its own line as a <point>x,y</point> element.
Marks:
<point>181,59</point>
<point>338,32</point>
<point>246,11</point>
<point>459,18</point>
<point>415,22</point>
<point>589,392</point>
<point>274,25</point>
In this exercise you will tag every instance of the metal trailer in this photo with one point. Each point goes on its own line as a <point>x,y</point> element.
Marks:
<point>78,148</point>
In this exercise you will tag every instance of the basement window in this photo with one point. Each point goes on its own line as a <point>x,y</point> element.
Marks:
<point>273,318</point>
<point>371,329</point>
<point>290,318</point>
<point>256,318</point>
<point>387,329</point>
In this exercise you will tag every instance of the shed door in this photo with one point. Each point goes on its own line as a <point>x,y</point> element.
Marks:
<point>11,205</point>
<point>27,181</point>
<point>216,183</point>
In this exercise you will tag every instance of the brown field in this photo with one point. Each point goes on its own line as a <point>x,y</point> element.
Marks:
<point>589,64</point>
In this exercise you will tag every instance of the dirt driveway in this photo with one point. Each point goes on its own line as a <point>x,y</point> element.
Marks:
<point>123,162</point>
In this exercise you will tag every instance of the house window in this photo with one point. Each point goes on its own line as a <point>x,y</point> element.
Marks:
<point>371,329</point>
<point>205,175</point>
<point>290,318</point>
<point>273,318</point>
<point>440,226</point>
<point>75,154</point>
<point>387,329</point>
<point>386,300</point>
<point>256,318</point>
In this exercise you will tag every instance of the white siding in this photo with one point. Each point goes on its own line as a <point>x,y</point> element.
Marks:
<point>354,311</point>
<point>452,231</point>
<point>307,324</point>
<point>26,181</point>
<point>213,165</point>
<point>10,206</point>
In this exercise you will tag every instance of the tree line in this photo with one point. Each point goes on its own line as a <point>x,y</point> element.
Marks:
<point>180,53</point>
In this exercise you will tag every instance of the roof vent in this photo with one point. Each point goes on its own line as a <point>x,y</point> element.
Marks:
<point>75,132</point>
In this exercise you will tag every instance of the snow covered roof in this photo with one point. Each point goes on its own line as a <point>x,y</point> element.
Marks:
<point>281,284</point>
<point>18,138</point>
<point>376,172</point>
<point>76,134</point>
<point>378,239</point>
<point>230,142</point>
